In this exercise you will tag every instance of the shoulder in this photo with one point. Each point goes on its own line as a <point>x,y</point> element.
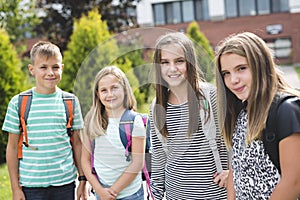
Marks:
<point>288,116</point>
<point>288,107</point>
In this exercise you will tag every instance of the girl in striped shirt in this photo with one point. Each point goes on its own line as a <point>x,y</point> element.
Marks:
<point>183,164</point>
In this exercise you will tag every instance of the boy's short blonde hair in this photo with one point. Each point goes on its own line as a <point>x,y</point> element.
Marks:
<point>46,49</point>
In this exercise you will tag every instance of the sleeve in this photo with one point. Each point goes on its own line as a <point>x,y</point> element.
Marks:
<point>288,118</point>
<point>78,120</point>
<point>11,122</point>
<point>139,129</point>
<point>158,162</point>
<point>223,152</point>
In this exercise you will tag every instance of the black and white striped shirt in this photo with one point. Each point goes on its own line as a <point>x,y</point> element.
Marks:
<point>186,170</point>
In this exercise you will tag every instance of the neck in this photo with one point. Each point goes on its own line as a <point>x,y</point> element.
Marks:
<point>178,95</point>
<point>115,113</point>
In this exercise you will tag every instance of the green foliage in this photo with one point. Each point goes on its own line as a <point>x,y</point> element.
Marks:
<point>297,68</point>
<point>58,22</point>
<point>203,49</point>
<point>5,189</point>
<point>18,18</point>
<point>132,51</point>
<point>11,81</point>
<point>89,50</point>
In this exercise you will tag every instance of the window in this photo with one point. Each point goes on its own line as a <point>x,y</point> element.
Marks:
<point>201,10</point>
<point>177,18</point>
<point>159,14</point>
<point>263,7</point>
<point>188,11</point>
<point>173,12</point>
<point>247,7</point>
<point>231,8</point>
<point>280,6</point>
<point>180,11</point>
<point>235,8</point>
<point>282,47</point>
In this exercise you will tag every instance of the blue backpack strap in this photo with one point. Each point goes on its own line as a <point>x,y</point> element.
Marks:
<point>125,131</point>
<point>21,96</point>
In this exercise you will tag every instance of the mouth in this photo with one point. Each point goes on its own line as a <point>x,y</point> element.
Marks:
<point>174,75</point>
<point>50,79</point>
<point>239,89</point>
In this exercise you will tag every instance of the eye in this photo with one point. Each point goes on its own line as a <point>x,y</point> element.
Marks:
<point>224,74</point>
<point>180,61</point>
<point>164,62</point>
<point>115,87</point>
<point>242,67</point>
<point>103,90</point>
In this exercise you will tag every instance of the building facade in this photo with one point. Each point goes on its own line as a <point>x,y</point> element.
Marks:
<point>276,21</point>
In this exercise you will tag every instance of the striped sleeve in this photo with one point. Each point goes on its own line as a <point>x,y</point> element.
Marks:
<point>158,163</point>
<point>11,120</point>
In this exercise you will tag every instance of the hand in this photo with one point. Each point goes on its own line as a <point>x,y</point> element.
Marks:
<point>106,194</point>
<point>221,179</point>
<point>81,191</point>
<point>18,195</point>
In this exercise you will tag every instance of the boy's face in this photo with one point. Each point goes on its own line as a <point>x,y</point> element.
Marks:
<point>47,72</point>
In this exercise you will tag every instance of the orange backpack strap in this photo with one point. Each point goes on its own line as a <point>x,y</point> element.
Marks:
<point>69,102</point>
<point>24,106</point>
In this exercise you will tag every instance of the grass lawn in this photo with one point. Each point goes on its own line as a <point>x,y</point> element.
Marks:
<point>5,190</point>
<point>297,68</point>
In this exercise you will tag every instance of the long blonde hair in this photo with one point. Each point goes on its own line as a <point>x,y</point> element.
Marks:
<point>96,120</point>
<point>194,77</point>
<point>266,82</point>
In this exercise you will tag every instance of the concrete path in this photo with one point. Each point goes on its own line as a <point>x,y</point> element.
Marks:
<point>291,76</point>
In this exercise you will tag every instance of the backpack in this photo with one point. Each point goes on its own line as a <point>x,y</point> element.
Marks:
<point>209,127</point>
<point>125,133</point>
<point>24,104</point>
<point>270,138</point>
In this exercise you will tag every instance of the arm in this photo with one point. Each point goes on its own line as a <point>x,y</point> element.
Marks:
<point>136,165</point>
<point>87,169</point>
<point>230,186</point>
<point>159,159</point>
<point>13,166</point>
<point>289,184</point>
<point>76,145</point>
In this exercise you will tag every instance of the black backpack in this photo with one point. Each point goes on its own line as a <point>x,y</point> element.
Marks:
<point>270,137</point>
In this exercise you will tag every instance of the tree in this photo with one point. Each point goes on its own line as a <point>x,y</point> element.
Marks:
<point>11,81</point>
<point>203,50</point>
<point>18,18</point>
<point>59,17</point>
<point>91,48</point>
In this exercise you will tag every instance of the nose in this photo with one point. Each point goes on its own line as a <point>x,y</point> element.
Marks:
<point>110,93</point>
<point>234,78</point>
<point>50,71</point>
<point>172,66</point>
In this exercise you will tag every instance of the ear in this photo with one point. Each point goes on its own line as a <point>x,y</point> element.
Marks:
<point>31,69</point>
<point>62,67</point>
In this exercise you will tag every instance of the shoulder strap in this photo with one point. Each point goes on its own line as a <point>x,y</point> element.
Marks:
<point>209,127</point>
<point>24,103</point>
<point>270,138</point>
<point>125,131</point>
<point>69,103</point>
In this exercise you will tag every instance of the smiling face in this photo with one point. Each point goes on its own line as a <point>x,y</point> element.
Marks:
<point>111,93</point>
<point>173,65</point>
<point>236,74</point>
<point>47,73</point>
